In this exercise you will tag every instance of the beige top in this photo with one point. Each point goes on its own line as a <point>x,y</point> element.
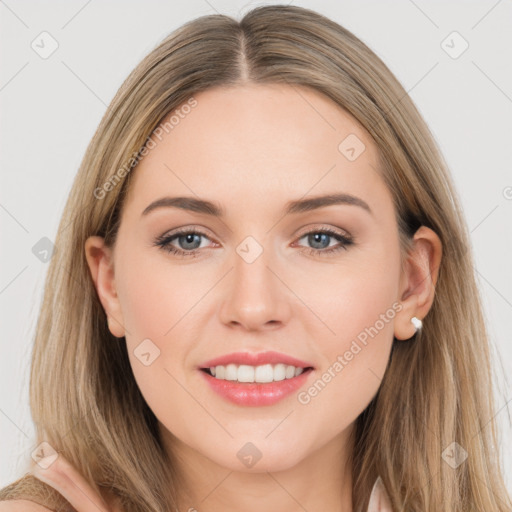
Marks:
<point>61,488</point>
<point>28,487</point>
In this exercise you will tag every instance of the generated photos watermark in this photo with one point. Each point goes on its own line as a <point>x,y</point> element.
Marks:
<point>171,123</point>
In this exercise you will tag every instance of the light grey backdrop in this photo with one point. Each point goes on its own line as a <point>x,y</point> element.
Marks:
<point>51,104</point>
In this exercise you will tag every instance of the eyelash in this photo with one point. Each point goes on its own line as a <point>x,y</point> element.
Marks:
<point>164,242</point>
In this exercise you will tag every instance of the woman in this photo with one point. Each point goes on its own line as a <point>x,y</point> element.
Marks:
<point>258,368</point>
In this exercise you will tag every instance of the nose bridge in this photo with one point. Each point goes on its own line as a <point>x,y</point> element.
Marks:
<point>252,277</point>
<point>254,296</point>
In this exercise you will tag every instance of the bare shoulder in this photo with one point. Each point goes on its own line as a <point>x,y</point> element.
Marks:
<point>21,506</point>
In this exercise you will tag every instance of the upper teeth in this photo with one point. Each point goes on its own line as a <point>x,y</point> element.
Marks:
<point>263,373</point>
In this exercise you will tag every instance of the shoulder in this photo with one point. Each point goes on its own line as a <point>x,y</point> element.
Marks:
<point>22,506</point>
<point>30,494</point>
<point>59,487</point>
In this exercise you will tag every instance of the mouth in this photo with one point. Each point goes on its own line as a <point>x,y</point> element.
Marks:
<point>261,367</point>
<point>255,386</point>
<point>262,374</point>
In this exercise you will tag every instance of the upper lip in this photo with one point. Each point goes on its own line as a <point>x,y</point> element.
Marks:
<point>252,359</point>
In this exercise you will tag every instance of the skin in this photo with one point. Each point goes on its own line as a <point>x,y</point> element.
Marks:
<point>252,149</point>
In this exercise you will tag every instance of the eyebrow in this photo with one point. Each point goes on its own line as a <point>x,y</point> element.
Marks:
<point>214,209</point>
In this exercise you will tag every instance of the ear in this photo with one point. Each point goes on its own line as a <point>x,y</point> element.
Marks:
<point>100,261</point>
<point>417,283</point>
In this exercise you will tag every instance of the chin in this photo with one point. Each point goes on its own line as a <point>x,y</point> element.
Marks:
<point>260,456</point>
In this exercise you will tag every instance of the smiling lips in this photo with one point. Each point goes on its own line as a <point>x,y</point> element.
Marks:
<point>255,379</point>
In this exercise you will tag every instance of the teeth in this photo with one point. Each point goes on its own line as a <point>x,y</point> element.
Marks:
<point>262,374</point>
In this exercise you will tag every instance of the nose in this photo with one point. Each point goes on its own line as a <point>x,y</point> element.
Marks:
<point>255,297</point>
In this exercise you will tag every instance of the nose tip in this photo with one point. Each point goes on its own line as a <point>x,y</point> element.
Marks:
<point>254,298</point>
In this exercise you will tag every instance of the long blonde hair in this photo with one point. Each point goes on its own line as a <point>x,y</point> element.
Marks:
<point>437,389</point>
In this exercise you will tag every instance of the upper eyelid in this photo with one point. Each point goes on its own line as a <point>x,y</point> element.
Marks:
<point>320,227</point>
<point>203,231</point>
<point>173,233</point>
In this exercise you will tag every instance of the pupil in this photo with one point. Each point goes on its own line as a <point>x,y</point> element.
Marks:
<point>189,239</point>
<point>317,237</point>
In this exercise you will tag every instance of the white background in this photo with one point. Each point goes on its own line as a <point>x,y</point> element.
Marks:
<point>51,107</point>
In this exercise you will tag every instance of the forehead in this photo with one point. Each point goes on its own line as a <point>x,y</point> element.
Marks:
<point>258,144</point>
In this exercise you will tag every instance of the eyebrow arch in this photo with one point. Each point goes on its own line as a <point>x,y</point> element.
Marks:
<point>312,203</point>
<point>292,207</point>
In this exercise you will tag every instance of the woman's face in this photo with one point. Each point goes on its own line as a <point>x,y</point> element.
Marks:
<point>258,277</point>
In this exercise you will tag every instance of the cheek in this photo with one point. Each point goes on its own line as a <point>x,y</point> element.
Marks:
<point>357,299</point>
<point>158,296</point>
<point>157,306</point>
<point>161,306</point>
<point>354,360</point>
<point>364,310</point>
<point>359,306</point>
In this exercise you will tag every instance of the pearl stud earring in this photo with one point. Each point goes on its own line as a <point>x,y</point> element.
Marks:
<point>418,324</point>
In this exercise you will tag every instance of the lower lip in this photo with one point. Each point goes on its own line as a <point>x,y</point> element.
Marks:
<point>255,394</point>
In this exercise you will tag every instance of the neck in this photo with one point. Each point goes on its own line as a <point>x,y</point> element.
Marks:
<point>320,481</point>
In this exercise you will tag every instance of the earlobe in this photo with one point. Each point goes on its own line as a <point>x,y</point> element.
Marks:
<point>418,282</point>
<point>100,261</point>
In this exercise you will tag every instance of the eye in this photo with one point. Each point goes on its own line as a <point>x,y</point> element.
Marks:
<point>189,241</point>
<point>320,240</point>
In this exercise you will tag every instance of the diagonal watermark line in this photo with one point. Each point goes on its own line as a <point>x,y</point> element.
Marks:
<point>212,7</point>
<point>2,1</point>
<point>421,79</point>
<point>14,218</point>
<point>298,92</point>
<point>127,332</point>
<point>21,430</point>
<point>198,402</point>
<point>76,423</point>
<point>425,14</point>
<point>216,487</point>
<point>286,417</point>
<point>286,491</point>
<point>198,301</point>
<point>403,403</point>
<point>409,90</point>
<point>485,15</point>
<point>431,477</point>
<point>14,76</point>
<point>497,291</point>
<point>307,192</point>
<point>76,14</point>
<point>301,300</point>
<point>493,418</point>
<point>12,280</point>
<point>84,83</point>
<point>492,81</point>
<point>165,165</point>
<point>484,218</point>
<point>86,495</point>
